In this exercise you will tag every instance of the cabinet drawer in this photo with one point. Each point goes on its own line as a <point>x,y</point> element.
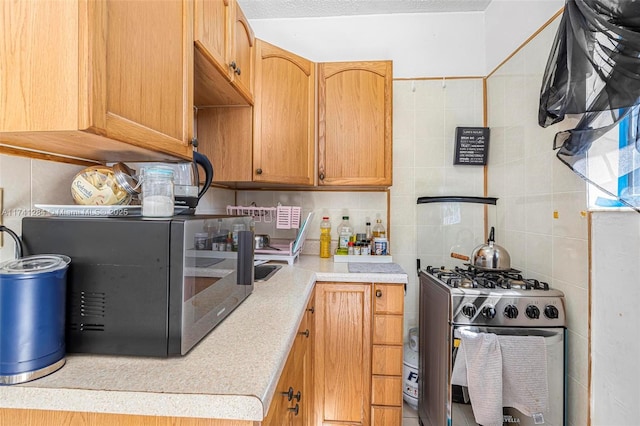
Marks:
<point>389,298</point>
<point>386,390</point>
<point>386,416</point>
<point>387,360</point>
<point>387,330</point>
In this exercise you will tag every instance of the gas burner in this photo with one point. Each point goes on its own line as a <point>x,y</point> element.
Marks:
<point>472,277</point>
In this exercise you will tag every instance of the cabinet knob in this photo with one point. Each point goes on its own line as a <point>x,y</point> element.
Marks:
<point>378,293</point>
<point>312,309</point>
<point>298,396</point>
<point>233,65</point>
<point>288,394</point>
<point>321,176</point>
<point>237,71</point>
<point>294,410</point>
<point>304,333</point>
<point>258,171</point>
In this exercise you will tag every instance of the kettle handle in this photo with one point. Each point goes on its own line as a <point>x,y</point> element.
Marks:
<point>203,161</point>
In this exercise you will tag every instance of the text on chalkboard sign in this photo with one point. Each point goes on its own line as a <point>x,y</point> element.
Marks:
<point>472,146</point>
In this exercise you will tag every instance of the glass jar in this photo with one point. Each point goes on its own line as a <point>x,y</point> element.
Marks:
<point>157,192</point>
<point>104,185</point>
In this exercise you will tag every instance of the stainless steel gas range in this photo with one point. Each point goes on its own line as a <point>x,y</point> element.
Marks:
<point>492,349</point>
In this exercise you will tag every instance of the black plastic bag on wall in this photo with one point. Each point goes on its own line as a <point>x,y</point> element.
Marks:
<point>594,70</point>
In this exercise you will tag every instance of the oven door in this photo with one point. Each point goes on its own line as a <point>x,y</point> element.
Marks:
<point>555,338</point>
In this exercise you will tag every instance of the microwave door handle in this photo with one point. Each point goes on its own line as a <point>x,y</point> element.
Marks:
<point>245,257</point>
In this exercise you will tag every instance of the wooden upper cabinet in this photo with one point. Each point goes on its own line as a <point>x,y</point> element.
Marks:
<point>113,84</point>
<point>224,54</point>
<point>354,123</point>
<point>149,71</point>
<point>242,53</point>
<point>284,117</point>
<point>213,28</point>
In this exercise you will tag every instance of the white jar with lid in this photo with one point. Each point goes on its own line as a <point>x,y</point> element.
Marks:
<point>157,192</point>
<point>380,246</point>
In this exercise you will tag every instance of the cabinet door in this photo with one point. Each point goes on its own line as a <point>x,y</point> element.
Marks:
<point>354,123</point>
<point>292,402</point>
<point>146,69</point>
<point>39,73</point>
<point>284,117</point>
<point>389,299</point>
<point>306,403</point>
<point>212,29</point>
<point>113,84</point>
<point>278,414</point>
<point>386,416</point>
<point>224,135</point>
<point>342,354</point>
<point>242,53</point>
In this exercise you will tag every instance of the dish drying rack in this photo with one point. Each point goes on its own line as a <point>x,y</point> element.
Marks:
<point>284,217</point>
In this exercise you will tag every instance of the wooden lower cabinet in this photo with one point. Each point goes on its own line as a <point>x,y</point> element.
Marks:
<point>344,368</point>
<point>293,400</point>
<point>358,354</point>
<point>19,417</point>
<point>386,416</point>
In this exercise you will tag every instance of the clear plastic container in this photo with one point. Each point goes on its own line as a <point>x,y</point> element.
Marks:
<point>237,228</point>
<point>344,233</point>
<point>367,231</point>
<point>157,192</point>
<point>325,238</point>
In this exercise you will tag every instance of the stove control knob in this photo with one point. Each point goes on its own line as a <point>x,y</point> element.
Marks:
<point>511,311</point>
<point>533,312</point>
<point>489,312</point>
<point>551,312</point>
<point>469,310</point>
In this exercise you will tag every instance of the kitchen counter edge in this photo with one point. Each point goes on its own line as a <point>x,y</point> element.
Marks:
<point>199,384</point>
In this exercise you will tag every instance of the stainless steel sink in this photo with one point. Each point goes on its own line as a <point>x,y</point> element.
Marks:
<point>264,272</point>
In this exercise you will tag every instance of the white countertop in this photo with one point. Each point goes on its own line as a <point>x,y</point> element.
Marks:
<point>230,374</point>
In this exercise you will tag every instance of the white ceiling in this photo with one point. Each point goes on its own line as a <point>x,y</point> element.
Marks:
<point>273,9</point>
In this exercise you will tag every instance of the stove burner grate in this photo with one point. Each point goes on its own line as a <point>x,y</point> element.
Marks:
<point>471,277</point>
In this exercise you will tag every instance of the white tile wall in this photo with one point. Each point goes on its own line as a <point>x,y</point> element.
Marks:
<point>359,206</point>
<point>542,205</point>
<point>425,115</point>
<point>27,182</point>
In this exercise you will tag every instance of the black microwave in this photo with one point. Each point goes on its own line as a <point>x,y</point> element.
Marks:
<point>146,287</point>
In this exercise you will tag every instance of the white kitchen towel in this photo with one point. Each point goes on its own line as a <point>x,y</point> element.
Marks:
<point>524,373</point>
<point>484,376</point>
<point>459,373</point>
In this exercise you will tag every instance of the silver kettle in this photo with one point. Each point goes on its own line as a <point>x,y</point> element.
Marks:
<point>491,256</point>
<point>192,191</point>
<point>186,178</point>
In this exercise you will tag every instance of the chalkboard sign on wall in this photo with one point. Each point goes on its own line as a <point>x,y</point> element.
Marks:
<point>472,146</point>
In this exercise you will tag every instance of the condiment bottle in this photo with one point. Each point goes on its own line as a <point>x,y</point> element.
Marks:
<point>325,238</point>
<point>344,233</point>
<point>367,231</point>
<point>378,230</point>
